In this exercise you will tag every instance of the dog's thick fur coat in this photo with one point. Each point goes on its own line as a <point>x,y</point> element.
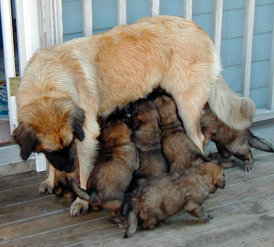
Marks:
<point>65,87</point>
<point>168,194</point>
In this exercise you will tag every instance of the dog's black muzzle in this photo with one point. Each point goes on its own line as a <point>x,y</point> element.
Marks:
<point>63,160</point>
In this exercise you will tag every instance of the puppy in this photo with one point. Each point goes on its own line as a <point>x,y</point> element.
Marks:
<point>177,147</point>
<point>166,195</point>
<point>67,86</point>
<point>113,171</point>
<point>147,138</point>
<point>230,141</point>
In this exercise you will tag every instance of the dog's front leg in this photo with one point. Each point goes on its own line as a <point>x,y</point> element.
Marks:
<point>86,152</point>
<point>198,211</point>
<point>48,185</point>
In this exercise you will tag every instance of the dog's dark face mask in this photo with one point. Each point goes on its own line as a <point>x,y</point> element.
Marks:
<point>63,160</point>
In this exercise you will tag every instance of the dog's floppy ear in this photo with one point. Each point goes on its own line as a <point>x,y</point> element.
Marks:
<point>27,140</point>
<point>78,119</point>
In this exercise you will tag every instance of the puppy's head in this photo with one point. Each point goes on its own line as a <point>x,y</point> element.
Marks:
<point>146,125</point>
<point>167,109</point>
<point>116,133</point>
<point>216,170</point>
<point>50,128</point>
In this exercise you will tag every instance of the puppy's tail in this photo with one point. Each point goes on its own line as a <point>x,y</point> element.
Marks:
<point>132,222</point>
<point>258,143</point>
<point>83,194</point>
<point>231,108</point>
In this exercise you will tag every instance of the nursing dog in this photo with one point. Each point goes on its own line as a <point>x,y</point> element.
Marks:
<point>65,88</point>
<point>147,138</point>
<point>166,195</point>
<point>112,172</point>
<point>230,141</point>
<point>177,147</point>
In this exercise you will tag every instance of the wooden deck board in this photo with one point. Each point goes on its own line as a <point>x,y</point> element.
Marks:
<point>244,213</point>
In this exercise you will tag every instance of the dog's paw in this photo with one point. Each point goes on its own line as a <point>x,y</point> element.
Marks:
<point>248,167</point>
<point>208,218</point>
<point>79,207</point>
<point>46,187</point>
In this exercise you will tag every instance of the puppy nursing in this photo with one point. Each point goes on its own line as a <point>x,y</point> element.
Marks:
<point>147,138</point>
<point>178,148</point>
<point>169,193</point>
<point>112,173</point>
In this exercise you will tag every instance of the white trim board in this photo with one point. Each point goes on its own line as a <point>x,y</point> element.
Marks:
<point>263,114</point>
<point>11,154</point>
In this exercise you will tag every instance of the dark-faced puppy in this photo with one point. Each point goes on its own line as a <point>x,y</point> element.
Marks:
<point>147,138</point>
<point>113,170</point>
<point>177,147</point>
<point>169,193</point>
<point>230,141</point>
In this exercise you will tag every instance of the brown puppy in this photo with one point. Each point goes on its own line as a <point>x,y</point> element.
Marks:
<point>168,194</point>
<point>147,138</point>
<point>230,141</point>
<point>177,147</point>
<point>67,86</point>
<point>113,171</point>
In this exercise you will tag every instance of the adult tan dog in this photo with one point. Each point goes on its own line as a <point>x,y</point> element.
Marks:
<point>65,87</point>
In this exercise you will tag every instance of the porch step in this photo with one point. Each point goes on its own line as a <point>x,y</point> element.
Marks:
<point>11,162</point>
<point>5,136</point>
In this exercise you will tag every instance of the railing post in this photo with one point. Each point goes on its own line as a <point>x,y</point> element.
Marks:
<point>122,12</point>
<point>217,23</point>
<point>247,52</point>
<point>155,7</point>
<point>87,18</point>
<point>188,9</point>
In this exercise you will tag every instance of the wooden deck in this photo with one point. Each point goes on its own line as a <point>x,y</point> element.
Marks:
<point>244,214</point>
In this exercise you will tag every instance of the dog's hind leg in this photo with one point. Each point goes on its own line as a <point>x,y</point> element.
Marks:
<point>190,105</point>
<point>223,153</point>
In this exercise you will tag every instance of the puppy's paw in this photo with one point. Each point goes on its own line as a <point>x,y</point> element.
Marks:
<point>209,218</point>
<point>79,207</point>
<point>46,187</point>
<point>248,167</point>
<point>69,196</point>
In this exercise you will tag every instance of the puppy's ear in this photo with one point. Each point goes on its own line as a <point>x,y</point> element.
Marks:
<point>137,121</point>
<point>27,140</point>
<point>78,119</point>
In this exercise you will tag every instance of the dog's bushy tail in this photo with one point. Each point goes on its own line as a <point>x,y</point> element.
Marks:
<point>231,108</point>
<point>132,222</point>
<point>83,194</point>
<point>258,143</point>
